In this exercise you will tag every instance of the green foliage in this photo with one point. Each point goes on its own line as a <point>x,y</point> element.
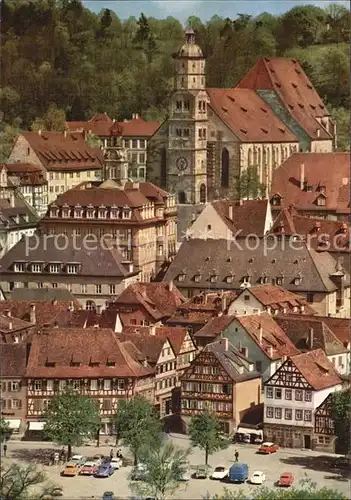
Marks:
<point>205,433</point>
<point>341,415</point>
<point>70,418</point>
<point>342,119</point>
<point>8,134</point>
<point>307,491</point>
<point>165,467</point>
<point>17,483</point>
<point>93,141</point>
<point>53,119</point>
<point>248,185</point>
<point>137,425</point>
<point>4,430</point>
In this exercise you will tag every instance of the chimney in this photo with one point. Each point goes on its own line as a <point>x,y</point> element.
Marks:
<point>230,208</point>
<point>32,316</point>
<point>54,302</point>
<point>310,338</point>
<point>241,203</point>
<point>261,334</point>
<point>225,342</point>
<point>318,132</point>
<point>7,313</point>
<point>170,286</point>
<point>152,330</point>
<point>302,176</point>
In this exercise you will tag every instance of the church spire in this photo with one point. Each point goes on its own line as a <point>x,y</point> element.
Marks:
<point>190,35</point>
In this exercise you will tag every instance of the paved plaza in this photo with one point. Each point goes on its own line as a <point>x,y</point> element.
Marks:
<point>301,463</point>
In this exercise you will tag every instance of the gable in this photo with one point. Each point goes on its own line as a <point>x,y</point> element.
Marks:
<point>288,376</point>
<point>209,216</point>
<point>206,367</point>
<point>167,353</point>
<point>188,344</point>
<point>241,305</point>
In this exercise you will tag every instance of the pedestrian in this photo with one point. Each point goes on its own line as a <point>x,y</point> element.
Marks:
<point>5,449</point>
<point>236,456</point>
<point>111,454</point>
<point>56,458</point>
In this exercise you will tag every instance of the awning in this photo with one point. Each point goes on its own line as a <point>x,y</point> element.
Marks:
<point>14,423</point>
<point>36,426</point>
<point>244,430</point>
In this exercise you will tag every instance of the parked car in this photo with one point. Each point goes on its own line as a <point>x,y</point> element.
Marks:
<point>98,459</point>
<point>88,469</point>
<point>70,470</point>
<point>220,472</point>
<point>104,470</point>
<point>238,473</point>
<point>108,495</point>
<point>186,472</point>
<point>78,459</point>
<point>257,477</point>
<point>116,462</point>
<point>286,479</point>
<point>268,448</point>
<point>138,472</point>
<point>201,472</point>
<point>258,440</point>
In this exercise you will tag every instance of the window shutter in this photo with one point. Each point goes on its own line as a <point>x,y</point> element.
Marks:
<point>19,404</point>
<point>9,405</point>
<point>9,386</point>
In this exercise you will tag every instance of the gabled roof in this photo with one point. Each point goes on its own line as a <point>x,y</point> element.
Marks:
<point>16,213</point>
<point>308,334</point>
<point>328,170</point>
<point>22,168</point>
<point>248,116</point>
<point>288,80</point>
<point>57,352</point>
<point>150,346</point>
<point>246,216</point>
<point>102,125</point>
<point>63,151</point>
<point>12,325</point>
<point>316,369</point>
<point>268,335</point>
<point>47,312</point>
<point>149,190</point>
<point>214,326</point>
<point>340,328</point>
<point>13,360</point>
<point>174,334</point>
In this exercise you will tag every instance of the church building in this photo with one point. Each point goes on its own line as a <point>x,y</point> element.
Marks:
<point>212,136</point>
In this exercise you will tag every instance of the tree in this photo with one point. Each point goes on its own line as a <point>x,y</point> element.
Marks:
<point>8,134</point>
<point>248,185</point>
<point>342,119</point>
<point>70,418</point>
<point>4,430</point>
<point>54,119</point>
<point>137,425</point>
<point>341,415</point>
<point>333,77</point>
<point>301,26</point>
<point>205,433</point>
<point>17,481</point>
<point>165,466</point>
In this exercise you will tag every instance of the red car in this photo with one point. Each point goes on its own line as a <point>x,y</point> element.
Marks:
<point>88,469</point>
<point>286,479</point>
<point>268,448</point>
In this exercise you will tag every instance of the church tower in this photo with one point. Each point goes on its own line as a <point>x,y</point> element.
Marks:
<point>187,131</point>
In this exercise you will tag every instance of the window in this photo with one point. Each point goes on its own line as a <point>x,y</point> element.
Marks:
<point>50,385</point>
<point>15,386</point>
<point>55,268</point>
<point>142,158</point>
<point>269,412</point>
<point>16,404</point>
<point>19,267</point>
<point>37,385</point>
<point>308,416</point>
<point>310,297</point>
<point>298,414</point>
<point>134,143</point>
<point>107,404</point>
<point>340,361</point>
<point>93,385</point>
<point>308,395</point>
<point>278,413</point>
<point>121,384</point>
<point>83,289</point>
<point>246,297</point>
<point>288,394</point>
<point>179,132</point>
<point>72,268</point>
<point>186,132</point>
<point>54,285</point>
<point>288,414</point>
<point>36,268</point>
<point>298,395</point>
<point>76,385</point>
<point>98,289</point>
<point>278,394</point>
<point>134,157</point>
<point>107,385</point>
<point>62,385</point>
<point>186,105</point>
<point>112,289</point>
<point>269,392</point>
<point>142,143</point>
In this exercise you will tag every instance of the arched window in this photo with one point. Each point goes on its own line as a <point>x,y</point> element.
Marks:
<point>202,193</point>
<point>181,197</point>
<point>225,168</point>
<point>249,157</point>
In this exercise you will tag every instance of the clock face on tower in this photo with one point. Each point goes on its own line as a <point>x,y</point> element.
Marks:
<point>181,163</point>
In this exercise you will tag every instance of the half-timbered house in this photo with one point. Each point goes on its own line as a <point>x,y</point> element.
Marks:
<point>324,431</point>
<point>92,362</point>
<point>292,396</point>
<point>222,379</point>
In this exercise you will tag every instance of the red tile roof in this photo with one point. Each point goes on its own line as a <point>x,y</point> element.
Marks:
<point>248,116</point>
<point>340,327</point>
<point>97,350</point>
<point>102,126</point>
<point>47,312</point>
<point>316,369</point>
<point>12,325</point>
<point>148,345</point>
<point>21,168</point>
<point>268,335</point>
<point>321,170</point>
<point>175,335</point>
<point>149,190</point>
<point>64,151</point>
<point>13,359</point>
<point>288,80</point>
<point>248,216</point>
<point>214,327</point>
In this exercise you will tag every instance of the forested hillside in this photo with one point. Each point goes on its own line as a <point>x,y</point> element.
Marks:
<point>62,61</point>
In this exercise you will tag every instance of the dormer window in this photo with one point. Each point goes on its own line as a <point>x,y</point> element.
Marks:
<point>90,212</point>
<point>36,268</point>
<point>229,278</point>
<point>19,267</point>
<point>213,278</point>
<point>114,212</point>
<point>66,211</point>
<point>102,212</point>
<point>54,211</point>
<point>280,280</point>
<point>55,268</point>
<point>263,280</point>
<point>72,268</point>
<point>78,212</point>
<point>276,200</point>
<point>181,276</point>
<point>297,280</point>
<point>127,213</point>
<point>197,278</point>
<point>321,201</point>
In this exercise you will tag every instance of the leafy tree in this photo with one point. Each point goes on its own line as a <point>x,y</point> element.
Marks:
<point>17,481</point>
<point>165,466</point>
<point>205,433</point>
<point>8,134</point>
<point>342,119</point>
<point>334,76</point>
<point>301,26</point>
<point>4,430</point>
<point>143,32</point>
<point>137,425</point>
<point>70,418</point>
<point>54,119</point>
<point>248,185</point>
<point>341,415</point>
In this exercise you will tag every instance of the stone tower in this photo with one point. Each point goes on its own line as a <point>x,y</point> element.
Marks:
<point>187,131</point>
<point>115,157</point>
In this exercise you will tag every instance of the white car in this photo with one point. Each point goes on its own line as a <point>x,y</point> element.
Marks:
<point>78,459</point>
<point>116,462</point>
<point>220,472</point>
<point>257,477</point>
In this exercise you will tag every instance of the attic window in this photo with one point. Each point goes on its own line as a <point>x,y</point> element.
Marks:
<point>282,130</point>
<point>264,130</point>
<point>229,259</point>
<point>207,259</point>
<point>278,84</point>
<point>231,98</point>
<point>181,277</point>
<point>300,105</point>
<point>243,109</point>
<point>229,278</point>
<point>214,276</point>
<point>110,363</point>
<point>75,363</point>
<point>290,106</point>
<point>243,131</point>
<point>264,110</point>
<point>225,109</point>
<point>50,364</point>
<point>321,201</point>
<point>321,106</point>
<point>274,261</point>
<point>197,278</point>
<point>263,280</point>
<point>312,106</point>
<point>251,260</point>
<point>294,85</point>
<point>297,280</point>
<point>280,280</point>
